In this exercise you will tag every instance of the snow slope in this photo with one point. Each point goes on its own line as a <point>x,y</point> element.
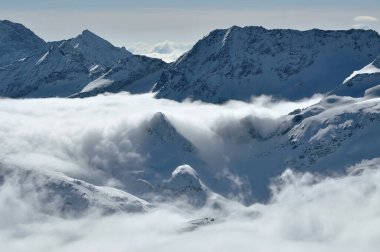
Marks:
<point>359,81</point>
<point>238,63</point>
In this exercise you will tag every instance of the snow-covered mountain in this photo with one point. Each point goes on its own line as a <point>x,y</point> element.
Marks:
<point>185,183</point>
<point>65,68</point>
<point>97,50</point>
<point>135,74</point>
<point>58,193</point>
<point>17,42</point>
<point>238,63</point>
<point>361,80</point>
<point>161,155</point>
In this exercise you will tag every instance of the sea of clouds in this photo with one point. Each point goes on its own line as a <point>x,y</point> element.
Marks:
<point>82,137</point>
<point>307,213</point>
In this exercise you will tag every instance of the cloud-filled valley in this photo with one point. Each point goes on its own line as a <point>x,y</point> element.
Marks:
<point>102,140</point>
<point>105,139</point>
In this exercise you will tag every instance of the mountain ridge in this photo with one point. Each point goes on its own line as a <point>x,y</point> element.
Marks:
<point>64,68</point>
<point>238,63</point>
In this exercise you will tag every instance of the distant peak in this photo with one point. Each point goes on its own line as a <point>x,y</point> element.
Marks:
<point>7,22</point>
<point>159,120</point>
<point>11,26</point>
<point>87,32</point>
<point>159,116</point>
<point>88,37</point>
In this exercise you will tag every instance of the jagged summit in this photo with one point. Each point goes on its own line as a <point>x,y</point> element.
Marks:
<point>238,63</point>
<point>88,36</point>
<point>88,33</point>
<point>160,123</point>
<point>97,49</point>
<point>17,42</point>
<point>161,129</point>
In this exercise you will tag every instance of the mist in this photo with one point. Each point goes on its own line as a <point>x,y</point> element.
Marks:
<point>102,140</point>
<point>83,138</point>
<point>304,214</point>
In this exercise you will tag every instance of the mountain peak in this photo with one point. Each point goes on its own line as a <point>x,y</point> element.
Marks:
<point>185,171</point>
<point>90,37</point>
<point>17,42</point>
<point>160,125</point>
<point>185,183</point>
<point>89,34</point>
<point>162,129</point>
<point>98,50</point>
<point>87,31</point>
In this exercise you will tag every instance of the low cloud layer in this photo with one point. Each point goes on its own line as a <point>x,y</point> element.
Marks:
<point>307,213</point>
<point>83,138</point>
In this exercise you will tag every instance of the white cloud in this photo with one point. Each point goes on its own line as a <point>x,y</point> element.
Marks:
<point>168,51</point>
<point>103,138</point>
<point>365,22</point>
<point>367,19</point>
<point>85,137</point>
<point>307,213</point>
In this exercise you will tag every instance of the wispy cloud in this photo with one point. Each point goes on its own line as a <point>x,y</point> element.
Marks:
<point>367,19</point>
<point>365,22</point>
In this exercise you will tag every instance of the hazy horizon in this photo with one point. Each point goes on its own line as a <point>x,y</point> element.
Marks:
<point>141,26</point>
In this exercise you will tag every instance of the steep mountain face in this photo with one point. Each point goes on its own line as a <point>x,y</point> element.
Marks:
<point>135,74</point>
<point>65,68</point>
<point>17,42</point>
<point>97,50</point>
<point>163,148</point>
<point>238,63</point>
<point>58,72</point>
<point>361,80</point>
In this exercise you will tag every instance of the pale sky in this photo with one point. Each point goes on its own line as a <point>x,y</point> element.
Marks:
<point>142,25</point>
